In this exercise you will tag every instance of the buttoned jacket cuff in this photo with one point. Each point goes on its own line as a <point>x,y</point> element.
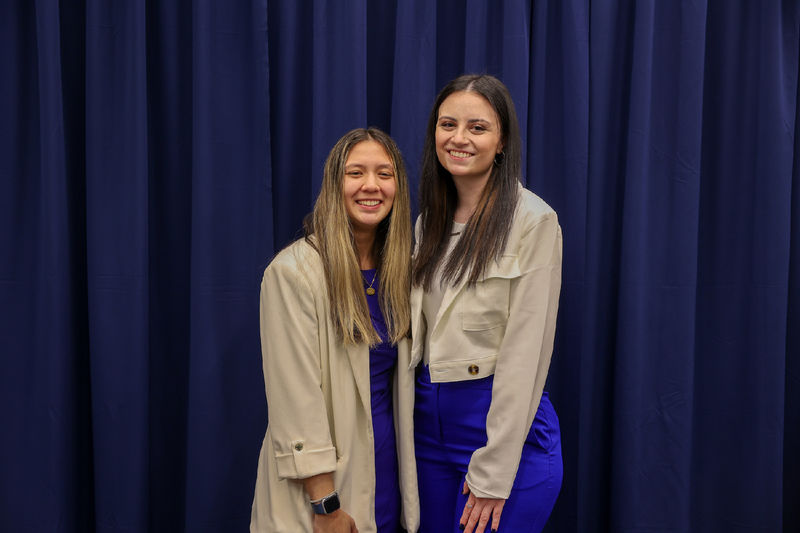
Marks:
<point>302,463</point>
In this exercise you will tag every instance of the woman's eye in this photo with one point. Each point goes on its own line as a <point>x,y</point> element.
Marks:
<point>446,125</point>
<point>478,128</point>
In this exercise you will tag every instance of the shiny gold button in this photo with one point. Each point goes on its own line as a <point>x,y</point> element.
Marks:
<point>299,446</point>
<point>473,370</point>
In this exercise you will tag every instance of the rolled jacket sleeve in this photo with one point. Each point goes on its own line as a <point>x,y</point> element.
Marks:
<point>290,349</point>
<point>523,359</point>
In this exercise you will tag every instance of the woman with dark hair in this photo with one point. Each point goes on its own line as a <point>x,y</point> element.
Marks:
<point>486,283</point>
<point>334,338</point>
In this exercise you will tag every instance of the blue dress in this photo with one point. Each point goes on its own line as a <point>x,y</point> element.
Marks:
<point>382,361</point>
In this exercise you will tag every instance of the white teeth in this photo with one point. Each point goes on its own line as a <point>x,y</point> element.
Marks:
<point>455,153</point>
<point>368,202</point>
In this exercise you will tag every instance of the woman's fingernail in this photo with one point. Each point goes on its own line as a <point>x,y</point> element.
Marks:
<point>494,530</point>
<point>462,526</point>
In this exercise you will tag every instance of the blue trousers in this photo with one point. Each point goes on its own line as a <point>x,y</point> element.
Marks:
<point>449,425</point>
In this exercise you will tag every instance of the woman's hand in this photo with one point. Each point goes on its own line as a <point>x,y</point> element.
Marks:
<point>480,512</point>
<point>336,522</point>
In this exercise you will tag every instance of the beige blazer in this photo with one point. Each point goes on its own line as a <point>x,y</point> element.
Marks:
<point>503,326</point>
<point>318,396</point>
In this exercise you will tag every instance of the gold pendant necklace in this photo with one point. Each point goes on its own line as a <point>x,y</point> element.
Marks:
<point>369,289</point>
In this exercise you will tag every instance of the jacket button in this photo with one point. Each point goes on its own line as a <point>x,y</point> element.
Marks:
<point>298,446</point>
<point>473,369</point>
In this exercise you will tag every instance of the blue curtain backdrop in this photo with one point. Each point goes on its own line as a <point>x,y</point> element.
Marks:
<point>154,155</point>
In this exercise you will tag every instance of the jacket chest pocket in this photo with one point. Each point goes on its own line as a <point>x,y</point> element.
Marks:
<point>485,305</point>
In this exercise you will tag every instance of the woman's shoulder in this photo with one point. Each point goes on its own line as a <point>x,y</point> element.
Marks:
<point>532,212</point>
<point>535,232</point>
<point>532,209</point>
<point>299,258</point>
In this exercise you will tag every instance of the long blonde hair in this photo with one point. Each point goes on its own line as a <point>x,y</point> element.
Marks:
<point>328,229</point>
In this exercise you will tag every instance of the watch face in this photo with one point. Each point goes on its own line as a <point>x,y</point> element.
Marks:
<point>328,504</point>
<point>331,504</point>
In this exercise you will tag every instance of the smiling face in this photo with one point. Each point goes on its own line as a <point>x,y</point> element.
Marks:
<point>468,136</point>
<point>369,185</point>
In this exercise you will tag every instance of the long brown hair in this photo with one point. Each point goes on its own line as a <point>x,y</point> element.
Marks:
<point>329,230</point>
<point>486,233</point>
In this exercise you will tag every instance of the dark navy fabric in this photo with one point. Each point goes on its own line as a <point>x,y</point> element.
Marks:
<point>449,425</point>
<point>135,223</point>
<point>382,363</point>
<point>155,155</point>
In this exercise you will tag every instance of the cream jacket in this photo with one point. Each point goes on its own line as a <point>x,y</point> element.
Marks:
<point>503,326</point>
<point>318,395</point>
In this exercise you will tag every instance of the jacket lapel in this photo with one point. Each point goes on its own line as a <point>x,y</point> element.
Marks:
<point>359,362</point>
<point>450,294</point>
<point>417,331</point>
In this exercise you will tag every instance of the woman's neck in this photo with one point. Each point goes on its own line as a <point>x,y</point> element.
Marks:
<point>365,241</point>
<point>469,193</point>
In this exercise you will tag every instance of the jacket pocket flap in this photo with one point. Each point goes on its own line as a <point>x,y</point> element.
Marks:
<point>507,268</point>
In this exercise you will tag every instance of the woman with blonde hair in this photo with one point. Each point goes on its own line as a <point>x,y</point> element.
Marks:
<point>338,455</point>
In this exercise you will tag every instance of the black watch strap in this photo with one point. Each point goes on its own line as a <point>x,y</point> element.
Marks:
<point>326,505</point>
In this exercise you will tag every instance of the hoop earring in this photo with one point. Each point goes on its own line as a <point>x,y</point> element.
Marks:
<point>499,158</point>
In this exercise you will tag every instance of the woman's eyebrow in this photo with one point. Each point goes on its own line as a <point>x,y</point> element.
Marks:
<point>361,165</point>
<point>469,120</point>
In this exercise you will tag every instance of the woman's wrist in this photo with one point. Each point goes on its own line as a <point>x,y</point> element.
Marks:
<point>317,500</point>
<point>327,504</point>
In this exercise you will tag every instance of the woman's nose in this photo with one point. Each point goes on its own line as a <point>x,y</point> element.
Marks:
<point>459,136</point>
<point>370,182</point>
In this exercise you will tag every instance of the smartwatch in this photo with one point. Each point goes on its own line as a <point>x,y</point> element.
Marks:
<point>326,505</point>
